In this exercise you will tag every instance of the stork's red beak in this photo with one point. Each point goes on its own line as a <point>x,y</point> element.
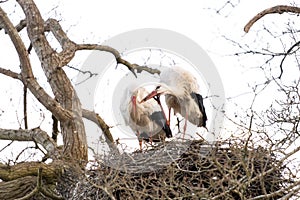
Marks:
<point>149,96</point>
<point>133,100</point>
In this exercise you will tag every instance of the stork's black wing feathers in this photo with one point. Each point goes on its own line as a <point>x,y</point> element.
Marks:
<point>199,100</point>
<point>159,119</point>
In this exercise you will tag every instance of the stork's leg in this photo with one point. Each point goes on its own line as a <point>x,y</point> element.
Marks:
<point>169,120</point>
<point>150,138</point>
<point>140,140</point>
<point>185,125</point>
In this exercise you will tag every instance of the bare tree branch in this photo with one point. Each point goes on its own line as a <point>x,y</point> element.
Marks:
<point>287,53</point>
<point>8,173</point>
<point>21,25</point>
<point>72,127</point>
<point>40,188</point>
<point>36,134</point>
<point>17,188</point>
<point>25,179</point>
<point>119,59</point>
<point>69,49</point>
<point>276,9</point>
<point>25,106</point>
<point>27,75</point>
<point>67,45</point>
<point>10,74</point>
<point>94,117</point>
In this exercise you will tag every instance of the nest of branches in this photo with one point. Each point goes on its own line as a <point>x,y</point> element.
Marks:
<point>182,170</point>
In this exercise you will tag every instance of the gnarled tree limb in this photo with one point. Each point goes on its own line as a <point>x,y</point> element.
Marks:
<point>37,135</point>
<point>26,72</point>
<point>17,188</point>
<point>118,57</point>
<point>94,117</point>
<point>276,9</point>
<point>72,129</point>
<point>25,179</point>
<point>50,171</point>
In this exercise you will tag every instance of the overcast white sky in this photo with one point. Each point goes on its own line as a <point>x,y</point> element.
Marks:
<point>95,21</point>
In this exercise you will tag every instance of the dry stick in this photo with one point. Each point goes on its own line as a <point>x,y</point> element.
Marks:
<point>94,117</point>
<point>25,106</point>
<point>276,9</point>
<point>287,53</point>
<point>273,10</point>
<point>116,54</point>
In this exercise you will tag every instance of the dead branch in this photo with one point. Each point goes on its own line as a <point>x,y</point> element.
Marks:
<point>25,106</point>
<point>68,46</point>
<point>94,117</point>
<point>24,180</point>
<point>36,134</point>
<point>72,126</point>
<point>10,74</point>
<point>21,25</point>
<point>51,171</point>
<point>119,59</point>
<point>36,189</point>
<point>17,188</point>
<point>26,71</point>
<point>40,188</point>
<point>280,9</point>
<point>287,53</point>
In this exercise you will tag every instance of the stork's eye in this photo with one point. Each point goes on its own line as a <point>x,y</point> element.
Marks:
<point>157,87</point>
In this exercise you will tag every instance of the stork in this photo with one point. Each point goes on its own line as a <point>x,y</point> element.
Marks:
<point>181,92</point>
<point>146,119</point>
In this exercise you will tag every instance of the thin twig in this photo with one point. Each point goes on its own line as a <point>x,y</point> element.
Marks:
<point>287,53</point>
<point>25,106</point>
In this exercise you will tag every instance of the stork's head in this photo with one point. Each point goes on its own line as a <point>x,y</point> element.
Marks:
<point>159,90</point>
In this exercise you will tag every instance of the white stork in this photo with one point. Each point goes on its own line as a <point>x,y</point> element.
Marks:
<point>181,92</point>
<point>146,119</point>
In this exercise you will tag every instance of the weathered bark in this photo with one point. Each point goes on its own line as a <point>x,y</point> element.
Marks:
<point>30,179</point>
<point>27,76</point>
<point>50,171</point>
<point>36,135</point>
<point>73,131</point>
<point>17,188</point>
<point>276,9</point>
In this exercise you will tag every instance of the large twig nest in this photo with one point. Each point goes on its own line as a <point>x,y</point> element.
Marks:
<point>220,171</point>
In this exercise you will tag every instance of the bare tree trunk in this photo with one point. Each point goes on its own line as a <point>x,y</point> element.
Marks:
<point>73,131</point>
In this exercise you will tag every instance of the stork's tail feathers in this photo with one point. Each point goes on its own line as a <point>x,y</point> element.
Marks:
<point>199,100</point>
<point>167,130</point>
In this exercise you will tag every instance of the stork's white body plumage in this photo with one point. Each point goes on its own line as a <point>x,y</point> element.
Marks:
<point>181,92</point>
<point>146,119</point>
